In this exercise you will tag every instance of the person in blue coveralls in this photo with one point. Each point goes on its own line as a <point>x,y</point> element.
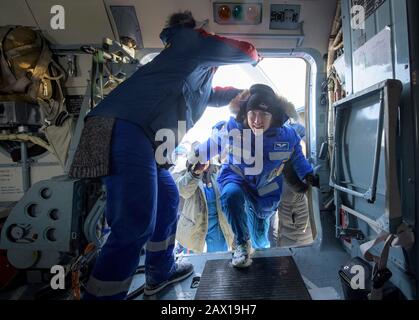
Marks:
<point>256,145</point>
<point>119,143</point>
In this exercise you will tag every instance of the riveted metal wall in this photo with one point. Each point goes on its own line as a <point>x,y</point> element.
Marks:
<point>390,14</point>
<point>413,13</point>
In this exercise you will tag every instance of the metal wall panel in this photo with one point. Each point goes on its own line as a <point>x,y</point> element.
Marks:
<point>370,27</point>
<point>79,28</point>
<point>348,44</point>
<point>16,12</point>
<point>383,16</point>
<point>391,13</point>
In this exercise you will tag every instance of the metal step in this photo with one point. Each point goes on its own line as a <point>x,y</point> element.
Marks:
<point>271,278</point>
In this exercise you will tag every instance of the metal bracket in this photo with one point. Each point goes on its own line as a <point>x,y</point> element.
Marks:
<point>195,281</point>
<point>352,233</point>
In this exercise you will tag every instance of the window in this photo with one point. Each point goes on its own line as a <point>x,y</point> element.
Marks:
<point>287,76</point>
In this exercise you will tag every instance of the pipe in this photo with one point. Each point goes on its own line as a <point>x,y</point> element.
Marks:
<point>335,38</point>
<point>337,88</point>
<point>26,178</point>
<point>339,38</point>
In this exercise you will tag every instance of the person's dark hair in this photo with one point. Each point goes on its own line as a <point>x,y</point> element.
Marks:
<point>181,19</point>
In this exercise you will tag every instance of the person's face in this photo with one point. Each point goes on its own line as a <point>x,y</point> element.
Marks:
<point>259,121</point>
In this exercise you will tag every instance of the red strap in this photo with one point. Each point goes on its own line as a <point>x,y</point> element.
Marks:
<point>224,88</point>
<point>244,46</point>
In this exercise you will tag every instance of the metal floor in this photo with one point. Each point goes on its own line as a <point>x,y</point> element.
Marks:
<point>318,267</point>
<point>273,278</point>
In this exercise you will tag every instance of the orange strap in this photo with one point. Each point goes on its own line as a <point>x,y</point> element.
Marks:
<point>75,276</point>
<point>75,285</point>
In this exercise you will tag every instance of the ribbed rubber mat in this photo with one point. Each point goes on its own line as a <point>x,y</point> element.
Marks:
<point>274,278</point>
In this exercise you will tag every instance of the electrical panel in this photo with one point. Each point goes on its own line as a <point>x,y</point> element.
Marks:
<point>285,17</point>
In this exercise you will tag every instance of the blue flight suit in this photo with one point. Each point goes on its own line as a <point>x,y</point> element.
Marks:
<point>249,200</point>
<point>215,239</point>
<point>142,198</point>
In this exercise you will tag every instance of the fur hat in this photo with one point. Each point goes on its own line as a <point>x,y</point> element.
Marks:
<point>262,97</point>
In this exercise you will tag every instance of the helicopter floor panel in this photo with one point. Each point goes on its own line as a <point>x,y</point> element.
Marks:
<point>271,278</point>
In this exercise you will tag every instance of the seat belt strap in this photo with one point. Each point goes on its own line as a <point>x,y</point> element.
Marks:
<point>381,274</point>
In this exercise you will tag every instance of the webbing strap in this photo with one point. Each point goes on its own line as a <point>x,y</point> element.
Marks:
<point>97,72</point>
<point>404,238</point>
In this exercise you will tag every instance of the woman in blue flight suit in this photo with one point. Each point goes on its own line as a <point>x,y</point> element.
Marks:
<point>249,199</point>
<point>142,198</point>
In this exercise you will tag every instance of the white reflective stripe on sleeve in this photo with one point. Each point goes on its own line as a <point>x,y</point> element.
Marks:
<point>162,245</point>
<point>100,288</point>
<point>274,156</point>
<point>268,189</point>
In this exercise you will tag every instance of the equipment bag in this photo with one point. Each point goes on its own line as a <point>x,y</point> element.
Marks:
<point>29,73</point>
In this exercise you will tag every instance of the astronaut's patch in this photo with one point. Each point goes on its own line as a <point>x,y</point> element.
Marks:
<point>281,146</point>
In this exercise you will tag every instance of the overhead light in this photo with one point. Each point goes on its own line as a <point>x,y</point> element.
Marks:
<point>224,12</point>
<point>238,13</point>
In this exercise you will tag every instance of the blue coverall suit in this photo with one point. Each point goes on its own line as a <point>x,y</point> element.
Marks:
<point>142,198</point>
<point>249,201</point>
<point>215,239</point>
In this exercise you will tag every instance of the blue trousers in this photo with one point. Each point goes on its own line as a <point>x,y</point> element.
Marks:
<point>215,238</point>
<point>141,210</point>
<point>240,212</point>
